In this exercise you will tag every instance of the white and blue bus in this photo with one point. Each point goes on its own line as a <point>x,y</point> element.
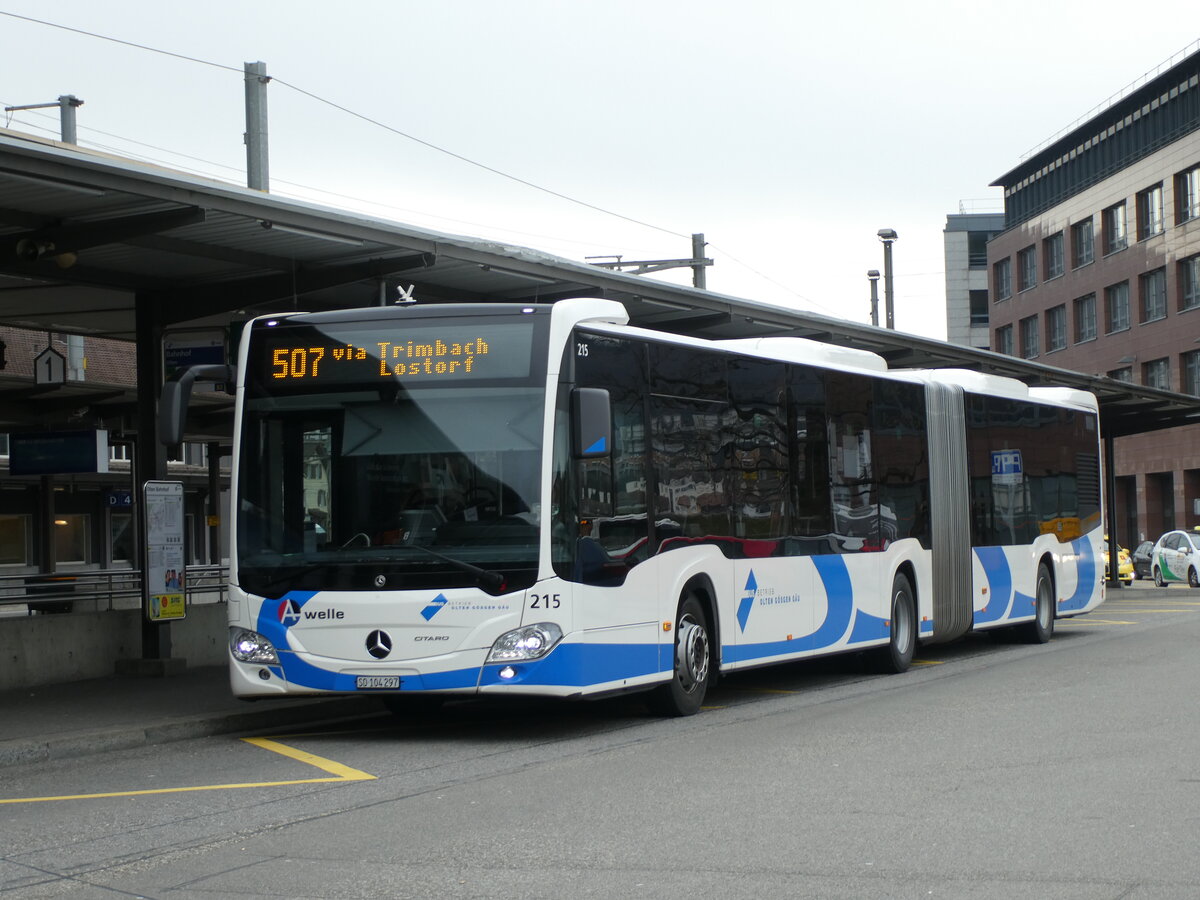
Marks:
<point>491,499</point>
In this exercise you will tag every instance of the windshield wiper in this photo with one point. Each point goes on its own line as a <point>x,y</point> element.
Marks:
<point>293,574</point>
<point>489,580</point>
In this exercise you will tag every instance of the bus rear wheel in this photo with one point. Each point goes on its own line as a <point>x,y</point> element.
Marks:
<point>1041,629</point>
<point>897,656</point>
<point>684,693</point>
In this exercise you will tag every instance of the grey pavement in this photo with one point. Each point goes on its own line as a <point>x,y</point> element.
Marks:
<point>84,717</point>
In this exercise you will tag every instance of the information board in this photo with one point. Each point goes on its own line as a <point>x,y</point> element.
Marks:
<point>162,503</point>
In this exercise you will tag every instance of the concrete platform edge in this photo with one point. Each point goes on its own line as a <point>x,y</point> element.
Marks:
<point>304,712</point>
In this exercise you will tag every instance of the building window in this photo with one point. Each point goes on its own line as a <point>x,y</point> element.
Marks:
<point>1056,328</point>
<point>1187,195</point>
<point>1002,279</point>
<point>1115,236</point>
<point>1116,307</point>
<point>1052,249</point>
<point>121,537</point>
<point>1154,295</point>
<point>979,307</point>
<point>1189,283</point>
<point>1125,374</point>
<point>1085,319</point>
<point>190,454</point>
<point>1027,268</point>
<point>1150,212</point>
<point>1191,372</point>
<point>15,547</point>
<point>1029,337</point>
<point>72,538</point>
<point>1004,340</point>
<point>977,249</point>
<point>1157,373</point>
<point>1083,243</point>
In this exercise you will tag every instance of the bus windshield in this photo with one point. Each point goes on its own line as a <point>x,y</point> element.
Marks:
<point>375,483</point>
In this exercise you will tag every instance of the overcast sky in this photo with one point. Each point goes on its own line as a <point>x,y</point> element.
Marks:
<point>787,132</point>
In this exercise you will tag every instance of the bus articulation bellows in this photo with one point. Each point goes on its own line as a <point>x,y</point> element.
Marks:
<point>496,499</point>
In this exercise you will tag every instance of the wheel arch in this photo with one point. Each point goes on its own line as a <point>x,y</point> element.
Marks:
<point>702,586</point>
<point>909,571</point>
<point>1048,559</point>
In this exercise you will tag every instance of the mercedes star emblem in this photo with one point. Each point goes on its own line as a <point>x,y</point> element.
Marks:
<point>379,644</point>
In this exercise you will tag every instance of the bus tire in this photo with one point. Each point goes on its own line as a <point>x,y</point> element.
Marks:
<point>897,656</point>
<point>1041,629</point>
<point>684,693</point>
<point>407,707</point>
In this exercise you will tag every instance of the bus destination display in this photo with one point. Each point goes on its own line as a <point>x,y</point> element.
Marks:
<point>296,356</point>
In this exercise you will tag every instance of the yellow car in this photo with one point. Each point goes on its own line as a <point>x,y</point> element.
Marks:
<point>1124,563</point>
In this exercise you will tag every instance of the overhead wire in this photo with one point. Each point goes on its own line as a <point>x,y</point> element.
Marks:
<point>393,130</point>
<point>85,129</point>
<point>365,118</point>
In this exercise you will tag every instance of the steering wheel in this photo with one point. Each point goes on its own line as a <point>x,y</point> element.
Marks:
<point>482,498</point>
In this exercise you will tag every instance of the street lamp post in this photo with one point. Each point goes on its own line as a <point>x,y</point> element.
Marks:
<point>873,276</point>
<point>888,235</point>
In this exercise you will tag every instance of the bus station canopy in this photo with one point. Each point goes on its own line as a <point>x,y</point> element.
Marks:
<point>88,242</point>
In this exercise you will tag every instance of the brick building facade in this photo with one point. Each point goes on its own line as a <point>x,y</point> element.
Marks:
<point>1098,270</point>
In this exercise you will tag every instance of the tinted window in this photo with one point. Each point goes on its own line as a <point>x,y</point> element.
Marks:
<point>690,421</point>
<point>757,449</point>
<point>1034,470</point>
<point>900,444</point>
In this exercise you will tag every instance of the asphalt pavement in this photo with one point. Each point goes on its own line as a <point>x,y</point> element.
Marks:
<point>84,717</point>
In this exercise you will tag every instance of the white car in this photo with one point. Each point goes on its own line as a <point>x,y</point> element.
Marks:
<point>1176,559</point>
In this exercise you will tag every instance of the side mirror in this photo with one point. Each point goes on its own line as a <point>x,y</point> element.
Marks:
<point>591,423</point>
<point>177,393</point>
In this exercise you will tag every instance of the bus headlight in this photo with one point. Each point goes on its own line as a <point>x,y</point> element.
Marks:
<point>526,642</point>
<point>252,647</point>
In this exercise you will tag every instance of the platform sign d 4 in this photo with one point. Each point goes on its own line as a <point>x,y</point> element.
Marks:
<point>162,502</point>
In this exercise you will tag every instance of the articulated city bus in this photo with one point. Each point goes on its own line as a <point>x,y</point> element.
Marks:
<point>491,499</point>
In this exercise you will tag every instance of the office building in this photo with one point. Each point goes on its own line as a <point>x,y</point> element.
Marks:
<point>1098,270</point>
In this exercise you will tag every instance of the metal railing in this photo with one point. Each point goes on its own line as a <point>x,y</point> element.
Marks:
<point>101,590</point>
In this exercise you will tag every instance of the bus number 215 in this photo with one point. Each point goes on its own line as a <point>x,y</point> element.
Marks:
<point>545,601</point>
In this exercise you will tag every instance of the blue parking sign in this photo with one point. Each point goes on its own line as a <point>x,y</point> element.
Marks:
<point>1007,467</point>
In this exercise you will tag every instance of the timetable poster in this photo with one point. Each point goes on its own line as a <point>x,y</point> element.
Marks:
<point>163,506</point>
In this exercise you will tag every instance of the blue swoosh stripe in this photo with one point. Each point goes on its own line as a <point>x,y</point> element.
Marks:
<point>580,665</point>
<point>1085,567</point>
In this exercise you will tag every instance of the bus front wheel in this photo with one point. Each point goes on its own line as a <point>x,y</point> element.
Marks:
<point>684,693</point>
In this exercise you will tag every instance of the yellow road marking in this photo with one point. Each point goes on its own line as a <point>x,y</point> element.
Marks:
<point>1159,600</point>
<point>928,662</point>
<point>1139,609</point>
<point>1070,623</point>
<point>338,772</point>
<point>344,773</point>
